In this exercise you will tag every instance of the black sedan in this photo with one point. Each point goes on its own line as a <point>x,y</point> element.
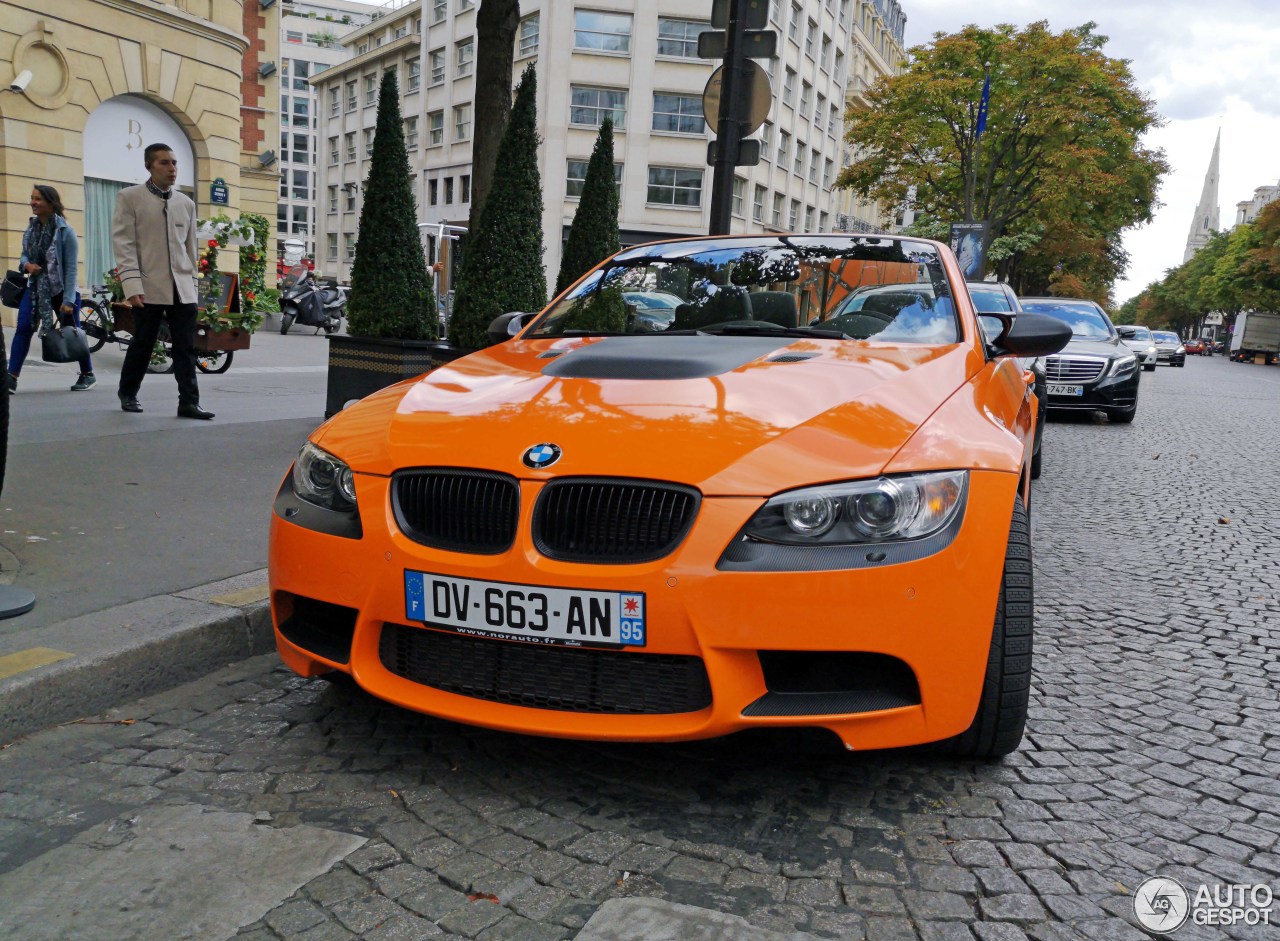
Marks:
<point>991,297</point>
<point>1169,348</point>
<point>1095,371</point>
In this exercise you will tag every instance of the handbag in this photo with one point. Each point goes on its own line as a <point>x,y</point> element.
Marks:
<point>15,283</point>
<point>63,345</point>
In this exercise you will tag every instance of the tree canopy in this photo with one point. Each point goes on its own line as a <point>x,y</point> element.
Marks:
<point>593,235</point>
<point>1058,174</point>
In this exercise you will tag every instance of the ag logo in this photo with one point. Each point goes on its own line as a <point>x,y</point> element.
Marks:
<point>1161,904</point>
<point>541,455</point>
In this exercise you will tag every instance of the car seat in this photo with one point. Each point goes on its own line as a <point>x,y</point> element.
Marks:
<point>776,307</point>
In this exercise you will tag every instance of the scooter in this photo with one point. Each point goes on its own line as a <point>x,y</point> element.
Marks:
<point>305,302</point>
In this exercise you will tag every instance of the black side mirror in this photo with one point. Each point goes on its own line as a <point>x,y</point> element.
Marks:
<point>1034,335</point>
<point>505,326</point>
<point>1126,333</point>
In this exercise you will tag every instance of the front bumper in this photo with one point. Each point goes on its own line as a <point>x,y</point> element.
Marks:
<point>932,616</point>
<point>1109,392</point>
<point>1172,357</point>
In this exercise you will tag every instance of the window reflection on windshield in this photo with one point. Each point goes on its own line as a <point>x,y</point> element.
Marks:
<point>876,288</point>
<point>1083,319</point>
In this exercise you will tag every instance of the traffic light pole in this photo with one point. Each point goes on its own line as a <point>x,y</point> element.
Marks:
<point>729,123</point>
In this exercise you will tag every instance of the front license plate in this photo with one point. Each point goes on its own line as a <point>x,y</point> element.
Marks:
<point>535,613</point>
<point>1065,390</point>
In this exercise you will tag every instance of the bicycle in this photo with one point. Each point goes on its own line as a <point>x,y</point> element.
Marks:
<point>99,326</point>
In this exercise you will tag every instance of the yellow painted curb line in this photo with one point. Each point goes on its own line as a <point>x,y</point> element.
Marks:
<point>24,660</point>
<point>243,596</point>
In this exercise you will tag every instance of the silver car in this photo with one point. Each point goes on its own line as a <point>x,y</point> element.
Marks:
<point>1139,339</point>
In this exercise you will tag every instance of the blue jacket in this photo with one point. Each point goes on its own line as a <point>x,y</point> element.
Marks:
<point>67,248</point>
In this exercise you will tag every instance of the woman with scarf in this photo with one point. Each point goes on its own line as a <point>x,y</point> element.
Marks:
<point>49,259</point>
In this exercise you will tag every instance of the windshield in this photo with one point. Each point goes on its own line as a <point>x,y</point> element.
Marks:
<point>989,300</point>
<point>1166,337</point>
<point>828,286</point>
<point>1081,316</point>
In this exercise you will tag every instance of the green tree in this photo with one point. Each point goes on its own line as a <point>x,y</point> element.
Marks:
<point>1061,162</point>
<point>390,289</point>
<point>502,264</point>
<point>593,235</point>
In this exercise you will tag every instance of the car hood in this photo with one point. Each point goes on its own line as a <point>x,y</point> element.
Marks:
<point>731,415</point>
<point>1091,347</point>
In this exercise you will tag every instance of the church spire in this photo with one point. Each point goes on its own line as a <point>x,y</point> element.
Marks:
<point>1208,216</point>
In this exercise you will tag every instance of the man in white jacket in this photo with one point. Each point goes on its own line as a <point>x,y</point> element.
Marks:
<point>153,233</point>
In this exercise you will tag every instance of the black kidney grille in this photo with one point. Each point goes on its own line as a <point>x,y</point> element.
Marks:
<point>566,679</point>
<point>610,520</point>
<point>463,511</point>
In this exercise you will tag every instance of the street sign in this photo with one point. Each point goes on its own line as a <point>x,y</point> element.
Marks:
<point>1213,319</point>
<point>755,109</point>
<point>748,153</point>
<point>757,14</point>
<point>757,44</point>
<point>218,192</point>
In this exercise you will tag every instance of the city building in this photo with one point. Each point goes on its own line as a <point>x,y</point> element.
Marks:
<point>1247,210</point>
<point>633,60</point>
<point>310,31</point>
<point>109,78</point>
<point>1208,217</point>
<point>878,51</point>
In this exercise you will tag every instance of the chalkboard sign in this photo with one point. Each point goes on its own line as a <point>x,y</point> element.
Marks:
<point>228,298</point>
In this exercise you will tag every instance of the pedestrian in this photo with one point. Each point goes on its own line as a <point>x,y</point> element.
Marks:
<point>50,254</point>
<point>153,234</point>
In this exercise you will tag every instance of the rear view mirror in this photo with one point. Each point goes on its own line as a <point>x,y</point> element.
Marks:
<point>1034,335</point>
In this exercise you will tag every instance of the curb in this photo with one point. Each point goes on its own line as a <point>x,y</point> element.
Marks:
<point>114,656</point>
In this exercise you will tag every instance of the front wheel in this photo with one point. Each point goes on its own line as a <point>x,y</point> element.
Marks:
<point>1006,689</point>
<point>1150,367</point>
<point>215,362</point>
<point>96,324</point>
<point>286,321</point>
<point>1122,416</point>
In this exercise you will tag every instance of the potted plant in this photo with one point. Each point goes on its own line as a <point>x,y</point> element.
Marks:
<point>392,327</point>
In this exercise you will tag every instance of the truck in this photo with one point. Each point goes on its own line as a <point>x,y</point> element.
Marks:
<point>1256,337</point>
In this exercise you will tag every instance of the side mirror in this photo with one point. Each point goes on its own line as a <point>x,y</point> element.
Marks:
<point>1034,335</point>
<point>1126,333</point>
<point>505,326</point>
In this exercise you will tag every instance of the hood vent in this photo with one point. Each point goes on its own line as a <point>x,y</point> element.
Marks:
<point>792,358</point>
<point>551,354</point>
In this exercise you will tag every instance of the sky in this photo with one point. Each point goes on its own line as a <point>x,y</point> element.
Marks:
<point>1207,67</point>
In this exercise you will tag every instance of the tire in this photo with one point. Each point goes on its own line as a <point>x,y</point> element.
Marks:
<point>1006,690</point>
<point>286,321</point>
<point>332,325</point>
<point>1151,368</point>
<point>1035,466</point>
<point>215,364</point>
<point>96,324</point>
<point>1123,416</point>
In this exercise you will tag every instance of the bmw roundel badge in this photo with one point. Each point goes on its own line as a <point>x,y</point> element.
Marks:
<point>542,455</point>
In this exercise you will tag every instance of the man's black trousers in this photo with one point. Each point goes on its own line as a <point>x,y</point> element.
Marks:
<point>182,330</point>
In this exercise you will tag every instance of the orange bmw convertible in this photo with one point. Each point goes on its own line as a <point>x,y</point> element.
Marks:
<point>718,484</point>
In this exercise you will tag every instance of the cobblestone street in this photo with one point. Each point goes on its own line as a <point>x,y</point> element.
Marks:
<point>1153,748</point>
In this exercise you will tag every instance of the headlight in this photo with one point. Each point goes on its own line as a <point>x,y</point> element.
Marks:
<point>1151,351</point>
<point>1181,349</point>
<point>883,510</point>
<point>322,479</point>
<point>1123,364</point>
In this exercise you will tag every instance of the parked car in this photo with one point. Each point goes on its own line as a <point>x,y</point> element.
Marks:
<point>1169,348</point>
<point>992,297</point>
<point>1139,339</point>
<point>785,509</point>
<point>1095,372</point>
<point>1195,347</point>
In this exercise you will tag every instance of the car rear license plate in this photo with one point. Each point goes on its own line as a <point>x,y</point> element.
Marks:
<point>536,613</point>
<point>1054,389</point>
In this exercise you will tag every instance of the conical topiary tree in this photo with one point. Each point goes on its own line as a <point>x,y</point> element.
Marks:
<point>391,294</point>
<point>502,266</point>
<point>593,236</point>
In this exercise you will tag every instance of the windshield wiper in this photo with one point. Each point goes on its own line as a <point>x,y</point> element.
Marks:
<point>764,327</point>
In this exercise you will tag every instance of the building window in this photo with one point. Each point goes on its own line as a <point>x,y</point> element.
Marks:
<point>678,114</point>
<point>301,220</point>
<point>784,148</point>
<point>833,120</point>
<point>576,178</point>
<point>462,122</point>
<point>825,61</point>
<point>828,169</point>
<point>793,26</point>
<point>435,129</point>
<point>766,139</point>
<point>844,13</point>
<point>292,36</point>
<point>370,90</point>
<point>301,111</point>
<point>335,104</point>
<point>808,218</point>
<point>439,10</point>
<point>789,88</point>
<point>806,99</point>
<point>368,141</point>
<point>823,220</point>
<point>839,72</point>
<point>757,203</point>
<point>595,31</point>
<point>350,190</point>
<point>351,96</point>
<point>679,38</point>
<point>775,11</point>
<point>465,57</point>
<point>433,192</point>
<point>400,31</point>
<point>331,246</point>
<point>350,140</point>
<point>349,241</point>
<point>779,201</point>
<point>333,201</point>
<point>465,5</point>
<point>673,186</point>
<point>588,106</point>
<point>411,133</point>
<point>820,110</point>
<point>814,157</point>
<point>301,149</point>
<point>811,40</point>
<point>739,195</point>
<point>437,66</point>
<point>529,27</point>
<point>448,191</point>
<point>793,218</point>
<point>333,151</point>
<point>798,166</point>
<point>362,48</point>
<point>464,187</point>
<point>415,74</point>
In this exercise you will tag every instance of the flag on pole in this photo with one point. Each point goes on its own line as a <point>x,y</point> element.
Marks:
<point>982,107</point>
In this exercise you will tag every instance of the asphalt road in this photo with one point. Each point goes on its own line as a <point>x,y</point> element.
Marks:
<point>1153,750</point>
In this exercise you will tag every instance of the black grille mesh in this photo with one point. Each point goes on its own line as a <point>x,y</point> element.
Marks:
<point>463,511</point>
<point>540,677</point>
<point>603,520</point>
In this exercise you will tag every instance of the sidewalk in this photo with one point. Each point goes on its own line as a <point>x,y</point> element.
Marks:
<point>143,537</point>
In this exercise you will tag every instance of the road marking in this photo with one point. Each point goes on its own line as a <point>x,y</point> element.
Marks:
<point>243,596</point>
<point>23,660</point>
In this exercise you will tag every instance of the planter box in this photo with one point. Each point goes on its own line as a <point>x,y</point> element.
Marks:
<point>207,339</point>
<point>122,317</point>
<point>360,366</point>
